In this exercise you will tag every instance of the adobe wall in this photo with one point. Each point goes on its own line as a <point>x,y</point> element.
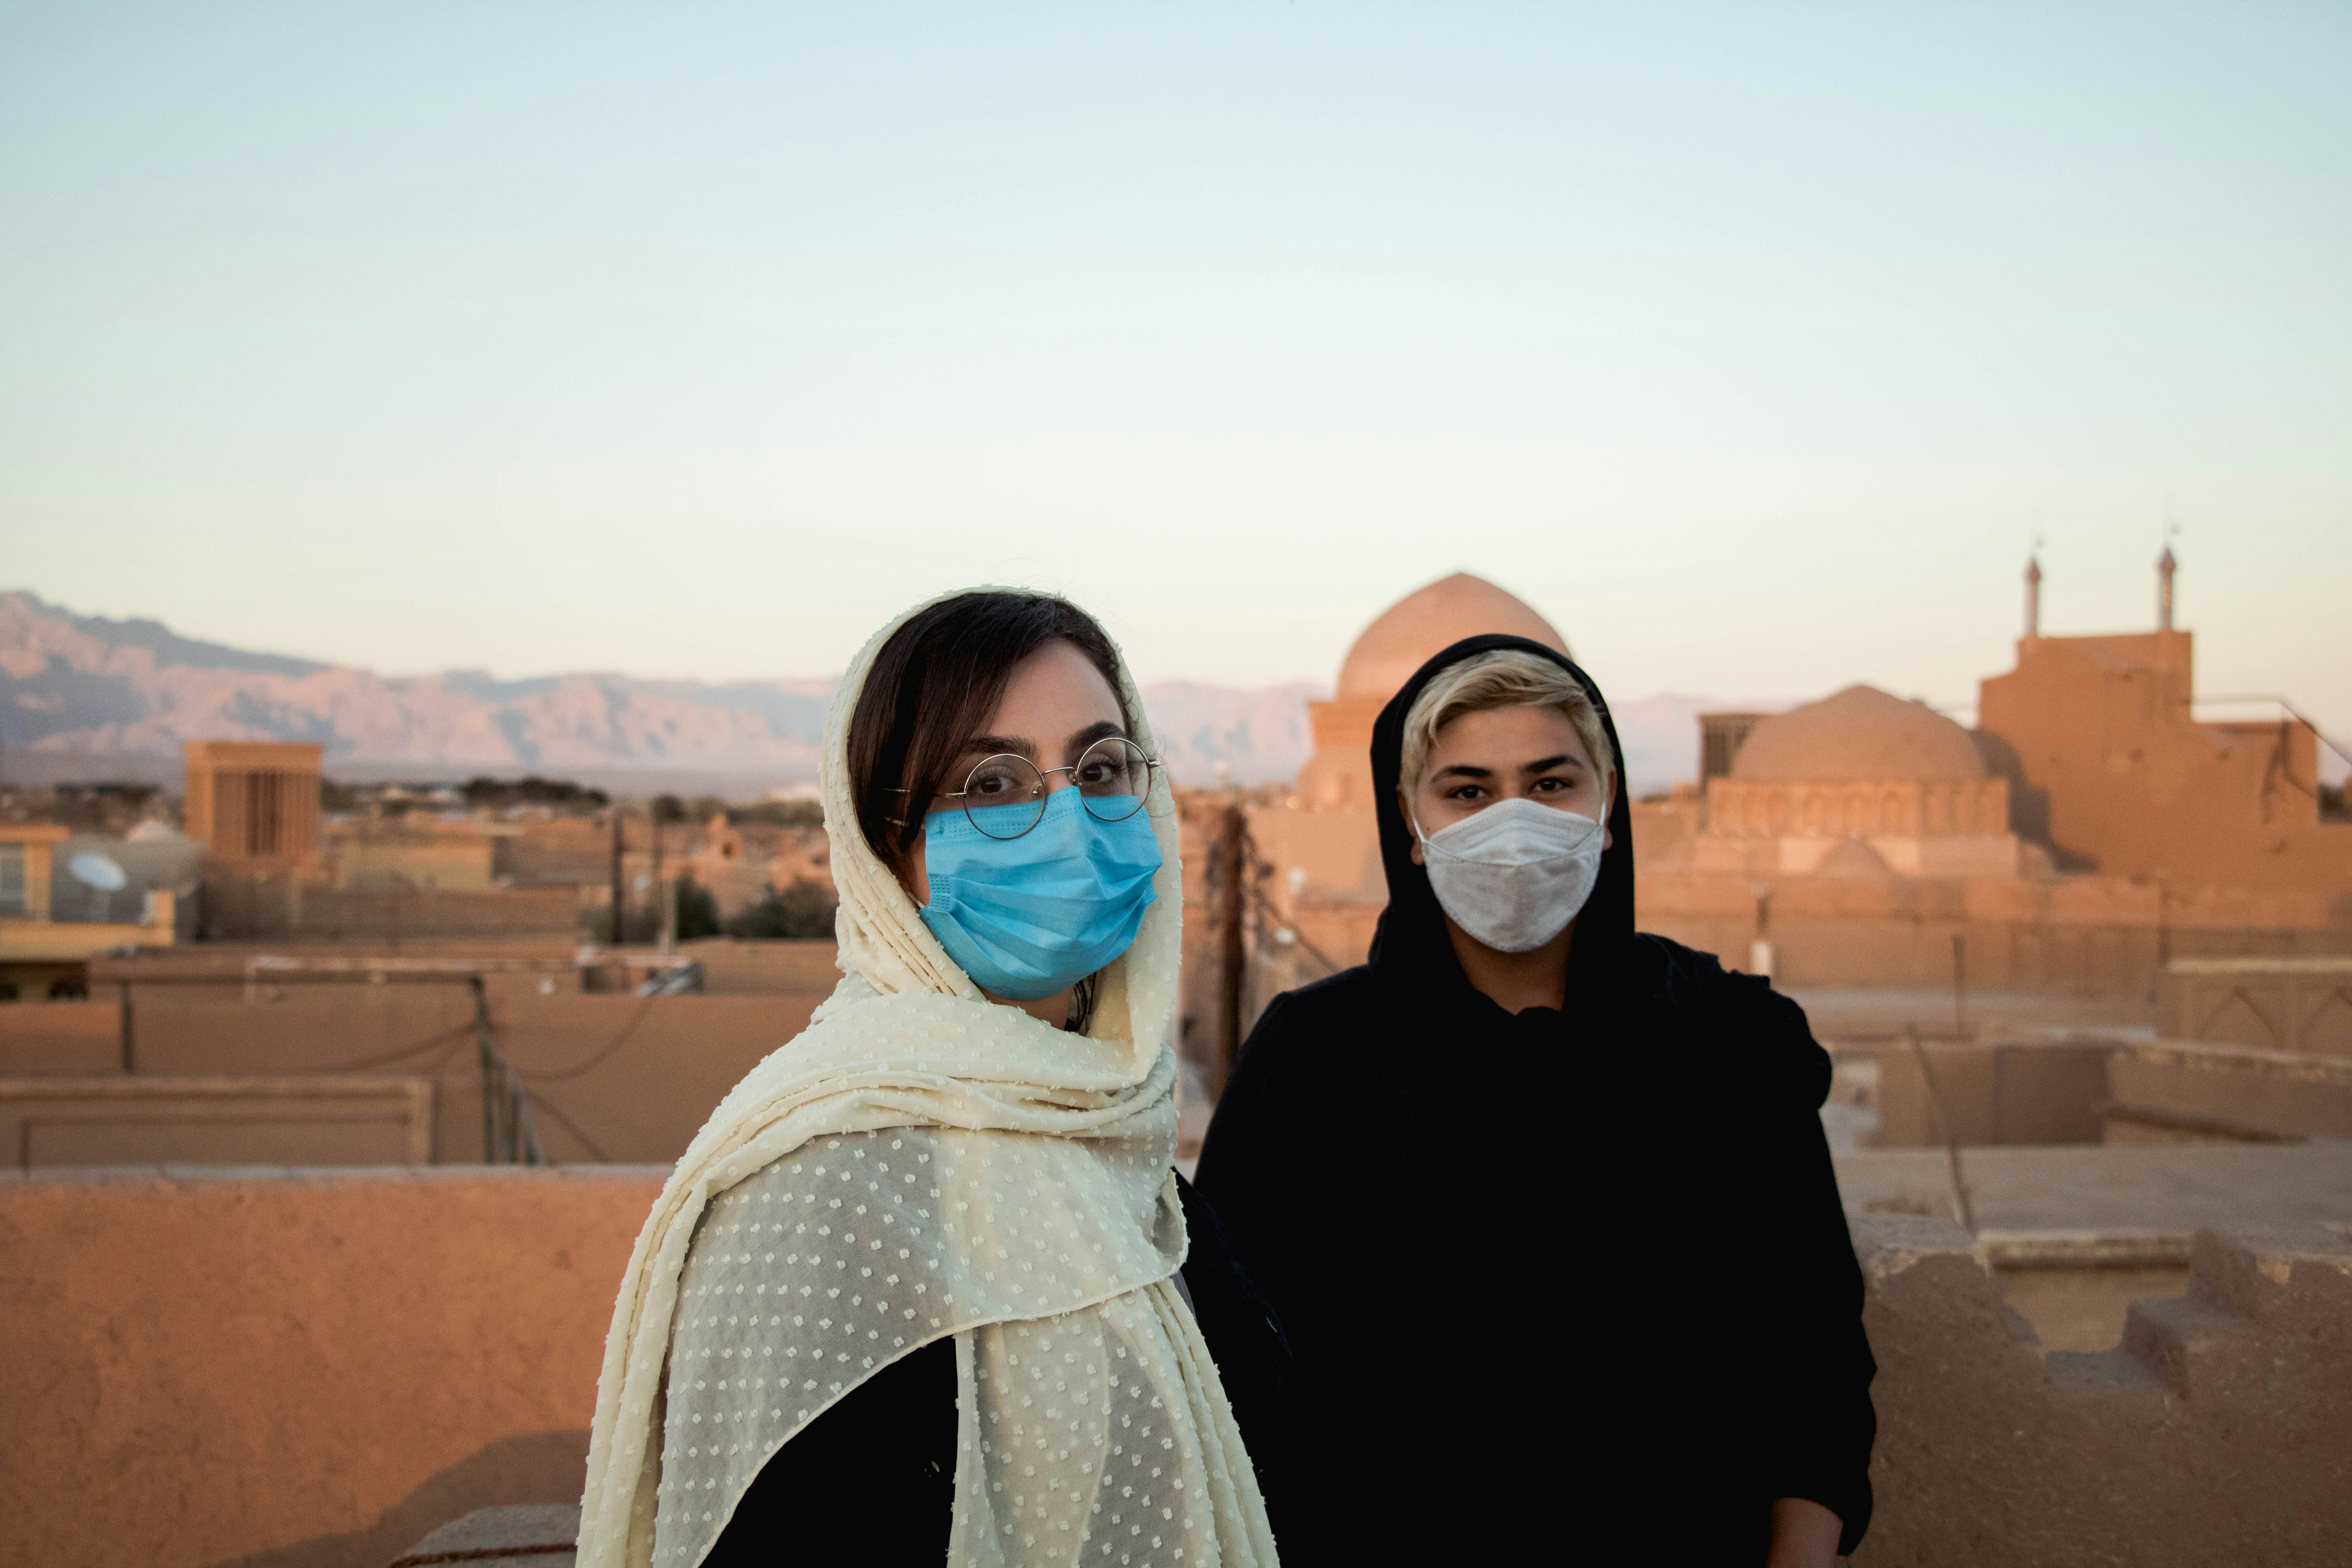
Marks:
<point>2173,1091</point>
<point>2095,1090</point>
<point>249,910</point>
<point>613,1077</point>
<point>1915,950</point>
<point>2110,768</point>
<point>2219,1432</point>
<point>312,1370</point>
<point>2294,1004</point>
<point>291,1370</point>
<point>1816,948</point>
<point>1999,1093</point>
<point>307,1118</point>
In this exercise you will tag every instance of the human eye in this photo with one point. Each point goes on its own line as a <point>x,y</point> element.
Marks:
<point>996,781</point>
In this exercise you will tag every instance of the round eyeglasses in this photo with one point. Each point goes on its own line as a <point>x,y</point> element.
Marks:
<point>1005,796</point>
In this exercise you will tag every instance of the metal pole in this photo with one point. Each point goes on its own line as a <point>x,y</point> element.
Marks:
<point>1944,1129</point>
<point>487,1053</point>
<point>668,893</point>
<point>1960,984</point>
<point>661,919</point>
<point>619,905</point>
<point>507,1136</point>
<point>1230,862</point>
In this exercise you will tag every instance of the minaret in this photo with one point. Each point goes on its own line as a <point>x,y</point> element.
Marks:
<point>2164,567</point>
<point>2033,595</point>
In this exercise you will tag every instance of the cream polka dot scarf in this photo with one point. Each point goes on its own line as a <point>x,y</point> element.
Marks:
<point>922,1162</point>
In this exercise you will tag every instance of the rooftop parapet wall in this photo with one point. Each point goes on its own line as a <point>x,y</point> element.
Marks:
<point>1863,950</point>
<point>612,1078</point>
<point>2221,1431</point>
<point>314,1370</point>
<point>294,1369</point>
<point>2281,1003</point>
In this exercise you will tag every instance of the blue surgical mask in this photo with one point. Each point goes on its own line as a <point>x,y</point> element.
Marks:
<point>1030,916</point>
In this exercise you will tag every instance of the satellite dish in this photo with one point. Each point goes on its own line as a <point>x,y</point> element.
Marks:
<point>99,871</point>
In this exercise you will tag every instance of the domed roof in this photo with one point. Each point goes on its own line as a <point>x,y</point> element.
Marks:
<point>1861,733</point>
<point>1852,858</point>
<point>1429,620</point>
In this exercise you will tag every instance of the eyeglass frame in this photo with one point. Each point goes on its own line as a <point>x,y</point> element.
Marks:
<point>1142,798</point>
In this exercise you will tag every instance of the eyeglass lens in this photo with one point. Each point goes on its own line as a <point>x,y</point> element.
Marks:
<point>1005,796</point>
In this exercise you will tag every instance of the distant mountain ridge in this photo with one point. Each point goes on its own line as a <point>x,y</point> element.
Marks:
<point>127,695</point>
<point>91,687</point>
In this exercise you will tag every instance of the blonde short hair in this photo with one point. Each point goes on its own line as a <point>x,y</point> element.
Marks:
<point>1503,678</point>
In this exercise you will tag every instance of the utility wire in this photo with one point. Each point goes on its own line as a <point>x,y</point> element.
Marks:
<point>452,1035</point>
<point>543,1103</point>
<point>645,1005</point>
<point>1266,908</point>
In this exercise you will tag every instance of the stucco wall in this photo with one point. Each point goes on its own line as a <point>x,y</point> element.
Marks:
<point>312,1370</point>
<point>293,1370</point>
<point>613,1078</point>
<point>2221,1432</point>
<point>2290,1005</point>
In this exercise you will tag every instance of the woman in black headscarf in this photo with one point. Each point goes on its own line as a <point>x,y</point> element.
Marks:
<point>1543,1202</point>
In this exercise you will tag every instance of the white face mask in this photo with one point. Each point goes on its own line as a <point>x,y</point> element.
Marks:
<point>1513,874</point>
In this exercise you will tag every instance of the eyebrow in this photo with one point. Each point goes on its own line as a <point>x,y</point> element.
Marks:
<point>1545,765</point>
<point>1100,729</point>
<point>992,745</point>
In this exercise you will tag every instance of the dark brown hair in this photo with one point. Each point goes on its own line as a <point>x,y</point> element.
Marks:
<point>934,686</point>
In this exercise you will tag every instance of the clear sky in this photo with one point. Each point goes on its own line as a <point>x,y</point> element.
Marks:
<point>1751,343</point>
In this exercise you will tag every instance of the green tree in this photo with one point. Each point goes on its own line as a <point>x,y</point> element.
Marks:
<point>697,910</point>
<point>802,910</point>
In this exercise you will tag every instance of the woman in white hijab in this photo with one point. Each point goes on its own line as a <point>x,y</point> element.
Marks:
<point>913,1292</point>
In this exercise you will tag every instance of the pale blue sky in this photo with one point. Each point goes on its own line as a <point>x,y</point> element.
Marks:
<point>1751,343</point>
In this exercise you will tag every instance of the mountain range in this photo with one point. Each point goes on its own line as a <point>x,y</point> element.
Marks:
<point>84,698</point>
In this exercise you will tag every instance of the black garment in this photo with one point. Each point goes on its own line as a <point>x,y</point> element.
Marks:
<point>872,1480</point>
<point>1557,1283</point>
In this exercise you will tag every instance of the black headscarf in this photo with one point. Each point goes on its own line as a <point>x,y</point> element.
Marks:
<point>1411,953</point>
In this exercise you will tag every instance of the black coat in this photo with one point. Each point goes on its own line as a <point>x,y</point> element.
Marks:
<point>1556,1280</point>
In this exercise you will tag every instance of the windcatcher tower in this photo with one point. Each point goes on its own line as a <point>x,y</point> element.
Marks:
<point>255,803</point>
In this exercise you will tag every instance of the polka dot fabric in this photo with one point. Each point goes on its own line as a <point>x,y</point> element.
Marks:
<point>1078,1447</point>
<point>833,1262</point>
<point>920,1163</point>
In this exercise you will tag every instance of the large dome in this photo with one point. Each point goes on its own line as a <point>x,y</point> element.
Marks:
<point>1861,733</point>
<point>1429,620</point>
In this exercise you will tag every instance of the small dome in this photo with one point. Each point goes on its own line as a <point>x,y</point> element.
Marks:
<point>1851,856</point>
<point>1428,621</point>
<point>1859,733</point>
